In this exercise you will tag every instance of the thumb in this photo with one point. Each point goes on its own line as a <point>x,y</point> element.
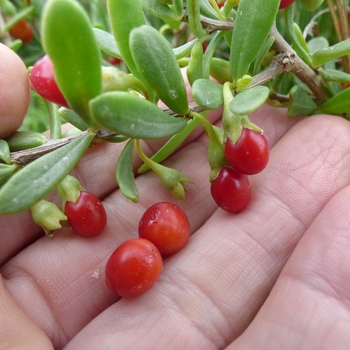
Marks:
<point>14,91</point>
<point>17,331</point>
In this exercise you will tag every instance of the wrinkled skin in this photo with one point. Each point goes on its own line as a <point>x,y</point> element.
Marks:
<point>275,276</point>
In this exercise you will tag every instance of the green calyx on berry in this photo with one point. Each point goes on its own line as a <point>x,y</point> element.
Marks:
<point>312,5</point>
<point>172,179</point>
<point>69,190</point>
<point>48,216</point>
<point>216,153</point>
<point>234,123</point>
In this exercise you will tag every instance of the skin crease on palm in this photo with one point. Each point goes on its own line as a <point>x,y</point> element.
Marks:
<point>275,276</point>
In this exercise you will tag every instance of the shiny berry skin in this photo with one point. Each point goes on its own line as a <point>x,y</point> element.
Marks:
<point>250,154</point>
<point>286,3</point>
<point>44,83</point>
<point>166,225</point>
<point>230,190</point>
<point>133,268</point>
<point>87,216</point>
<point>220,4</point>
<point>23,31</point>
<point>113,60</point>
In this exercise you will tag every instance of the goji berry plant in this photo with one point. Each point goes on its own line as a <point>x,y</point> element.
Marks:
<point>104,66</point>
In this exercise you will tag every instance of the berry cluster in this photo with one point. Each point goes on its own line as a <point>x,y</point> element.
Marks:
<point>249,155</point>
<point>136,264</point>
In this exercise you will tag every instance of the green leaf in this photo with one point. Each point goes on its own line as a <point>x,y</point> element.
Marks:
<point>210,51</point>
<point>253,23</point>
<point>183,50</point>
<point>331,53</point>
<point>5,152</point>
<point>71,117</point>
<point>207,94</point>
<point>263,54</point>
<point>6,171</point>
<point>249,100</point>
<point>301,103</point>
<point>194,69</point>
<point>290,28</point>
<point>312,5</point>
<point>193,13</point>
<point>159,10</point>
<point>125,175</point>
<point>133,116</point>
<point>25,139</point>
<point>178,8</point>
<point>70,42</point>
<point>338,104</point>
<point>125,15</point>
<point>335,75</point>
<point>156,61</point>
<point>106,42</point>
<point>220,70</point>
<point>316,44</point>
<point>207,10</point>
<point>36,180</point>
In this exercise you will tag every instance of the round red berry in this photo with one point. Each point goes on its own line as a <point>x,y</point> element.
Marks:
<point>43,82</point>
<point>133,268</point>
<point>286,3</point>
<point>167,226</point>
<point>87,216</point>
<point>23,31</point>
<point>230,190</point>
<point>250,154</point>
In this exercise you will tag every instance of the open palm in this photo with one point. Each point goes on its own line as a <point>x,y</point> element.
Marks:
<point>275,276</point>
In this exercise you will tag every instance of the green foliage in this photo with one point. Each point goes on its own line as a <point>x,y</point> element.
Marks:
<point>76,57</point>
<point>35,181</point>
<point>237,57</point>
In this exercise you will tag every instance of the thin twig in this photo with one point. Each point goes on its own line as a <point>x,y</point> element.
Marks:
<point>26,156</point>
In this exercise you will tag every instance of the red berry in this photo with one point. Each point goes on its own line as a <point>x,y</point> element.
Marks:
<point>250,154</point>
<point>166,225</point>
<point>230,190</point>
<point>133,268</point>
<point>87,216</point>
<point>113,60</point>
<point>43,81</point>
<point>286,3</point>
<point>22,30</point>
<point>220,3</point>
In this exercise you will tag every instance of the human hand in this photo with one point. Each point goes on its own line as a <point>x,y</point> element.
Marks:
<point>274,276</point>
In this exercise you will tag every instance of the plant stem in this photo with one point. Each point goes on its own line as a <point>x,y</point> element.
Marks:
<point>26,156</point>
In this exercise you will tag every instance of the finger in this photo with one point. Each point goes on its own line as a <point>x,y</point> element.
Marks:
<point>214,286</point>
<point>17,331</point>
<point>210,292</point>
<point>308,307</point>
<point>14,92</point>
